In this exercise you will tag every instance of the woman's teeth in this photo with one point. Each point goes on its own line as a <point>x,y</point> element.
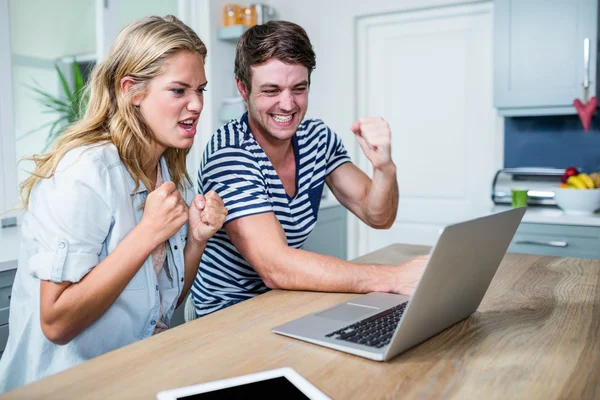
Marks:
<point>187,122</point>
<point>282,118</point>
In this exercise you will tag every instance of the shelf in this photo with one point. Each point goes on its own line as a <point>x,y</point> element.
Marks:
<point>232,32</point>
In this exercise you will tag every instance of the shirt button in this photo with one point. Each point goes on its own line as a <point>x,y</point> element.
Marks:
<point>181,279</point>
<point>61,245</point>
<point>156,287</point>
<point>175,247</point>
<point>153,322</point>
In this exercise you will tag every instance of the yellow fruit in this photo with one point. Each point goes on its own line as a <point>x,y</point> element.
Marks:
<point>587,180</point>
<point>596,178</point>
<point>577,182</point>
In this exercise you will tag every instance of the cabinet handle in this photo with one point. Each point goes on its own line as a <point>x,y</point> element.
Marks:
<point>586,68</point>
<point>550,243</point>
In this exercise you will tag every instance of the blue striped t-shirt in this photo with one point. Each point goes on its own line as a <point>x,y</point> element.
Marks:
<point>236,167</point>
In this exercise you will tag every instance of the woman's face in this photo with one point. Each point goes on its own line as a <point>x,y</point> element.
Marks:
<point>174,100</point>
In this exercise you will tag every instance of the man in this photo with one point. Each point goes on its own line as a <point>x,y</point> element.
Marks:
<point>269,167</point>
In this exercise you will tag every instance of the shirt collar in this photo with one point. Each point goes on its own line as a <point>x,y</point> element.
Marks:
<point>142,188</point>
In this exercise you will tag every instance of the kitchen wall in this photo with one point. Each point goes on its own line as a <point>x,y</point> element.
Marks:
<point>553,142</point>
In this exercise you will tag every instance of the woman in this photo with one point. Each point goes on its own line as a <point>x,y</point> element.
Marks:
<point>106,255</point>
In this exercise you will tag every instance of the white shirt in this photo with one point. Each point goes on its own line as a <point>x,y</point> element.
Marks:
<point>74,220</point>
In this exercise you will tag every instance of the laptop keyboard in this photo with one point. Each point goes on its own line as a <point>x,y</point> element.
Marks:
<point>375,331</point>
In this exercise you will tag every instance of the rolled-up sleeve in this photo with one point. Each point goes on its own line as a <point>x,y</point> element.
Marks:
<point>69,218</point>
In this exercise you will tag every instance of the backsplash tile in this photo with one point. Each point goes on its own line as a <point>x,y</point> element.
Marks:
<point>552,142</point>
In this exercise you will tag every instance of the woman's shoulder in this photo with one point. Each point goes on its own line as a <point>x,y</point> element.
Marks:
<point>89,158</point>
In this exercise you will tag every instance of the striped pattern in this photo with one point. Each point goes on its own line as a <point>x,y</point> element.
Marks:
<point>235,166</point>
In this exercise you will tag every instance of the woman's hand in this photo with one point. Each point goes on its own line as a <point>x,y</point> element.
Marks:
<point>206,216</point>
<point>165,212</point>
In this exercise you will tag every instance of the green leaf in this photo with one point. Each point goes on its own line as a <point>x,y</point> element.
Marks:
<point>78,79</point>
<point>64,84</point>
<point>67,110</point>
<point>47,100</point>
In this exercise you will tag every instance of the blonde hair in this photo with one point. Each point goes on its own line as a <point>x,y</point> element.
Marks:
<point>140,52</point>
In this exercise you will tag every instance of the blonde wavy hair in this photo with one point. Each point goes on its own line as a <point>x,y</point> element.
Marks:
<point>139,51</point>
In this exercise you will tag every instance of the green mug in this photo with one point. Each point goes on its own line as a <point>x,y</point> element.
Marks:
<point>519,197</point>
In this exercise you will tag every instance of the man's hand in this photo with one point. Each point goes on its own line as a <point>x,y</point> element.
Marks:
<point>409,275</point>
<point>374,137</point>
<point>206,216</point>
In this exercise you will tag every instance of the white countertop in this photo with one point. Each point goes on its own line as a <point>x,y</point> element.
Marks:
<point>554,215</point>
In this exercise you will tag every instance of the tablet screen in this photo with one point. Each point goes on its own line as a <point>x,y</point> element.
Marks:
<point>279,387</point>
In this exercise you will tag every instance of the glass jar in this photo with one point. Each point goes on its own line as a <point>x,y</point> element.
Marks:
<point>249,16</point>
<point>232,14</point>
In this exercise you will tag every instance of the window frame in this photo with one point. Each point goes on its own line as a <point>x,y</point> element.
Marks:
<point>8,162</point>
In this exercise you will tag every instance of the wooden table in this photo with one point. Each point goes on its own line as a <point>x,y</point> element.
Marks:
<point>535,336</point>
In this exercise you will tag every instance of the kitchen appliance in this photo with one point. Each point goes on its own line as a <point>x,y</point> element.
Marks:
<point>540,183</point>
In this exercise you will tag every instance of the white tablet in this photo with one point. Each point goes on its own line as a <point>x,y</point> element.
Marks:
<point>282,383</point>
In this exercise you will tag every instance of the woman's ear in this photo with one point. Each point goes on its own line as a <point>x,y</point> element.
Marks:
<point>126,84</point>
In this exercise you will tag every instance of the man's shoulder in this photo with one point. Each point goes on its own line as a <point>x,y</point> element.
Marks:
<point>313,130</point>
<point>312,125</point>
<point>231,147</point>
<point>233,135</point>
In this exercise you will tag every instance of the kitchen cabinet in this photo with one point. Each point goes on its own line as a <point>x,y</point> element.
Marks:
<point>557,240</point>
<point>539,66</point>
<point>329,234</point>
<point>6,281</point>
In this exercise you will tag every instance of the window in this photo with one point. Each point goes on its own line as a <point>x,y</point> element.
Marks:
<point>34,37</point>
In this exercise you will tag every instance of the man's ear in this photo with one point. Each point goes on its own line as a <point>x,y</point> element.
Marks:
<point>242,89</point>
<point>126,84</point>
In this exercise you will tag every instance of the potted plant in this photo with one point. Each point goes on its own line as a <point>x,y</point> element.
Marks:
<point>69,106</point>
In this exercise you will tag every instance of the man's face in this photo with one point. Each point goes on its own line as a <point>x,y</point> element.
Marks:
<point>278,100</point>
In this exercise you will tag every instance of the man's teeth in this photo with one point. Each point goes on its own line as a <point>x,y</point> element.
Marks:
<point>282,118</point>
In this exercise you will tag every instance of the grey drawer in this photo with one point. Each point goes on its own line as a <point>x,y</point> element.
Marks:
<point>5,296</point>
<point>557,240</point>
<point>3,336</point>
<point>6,281</point>
<point>4,315</point>
<point>7,277</point>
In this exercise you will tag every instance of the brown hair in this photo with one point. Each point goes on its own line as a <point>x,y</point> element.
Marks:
<point>283,40</point>
<point>139,51</point>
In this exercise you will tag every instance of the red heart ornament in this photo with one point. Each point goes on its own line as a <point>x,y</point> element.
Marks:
<point>586,111</point>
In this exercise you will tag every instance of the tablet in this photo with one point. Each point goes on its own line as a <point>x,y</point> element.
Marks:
<point>282,383</point>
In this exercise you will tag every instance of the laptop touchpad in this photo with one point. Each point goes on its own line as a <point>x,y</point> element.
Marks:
<point>346,312</point>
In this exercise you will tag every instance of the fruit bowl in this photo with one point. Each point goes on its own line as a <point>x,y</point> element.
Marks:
<point>578,201</point>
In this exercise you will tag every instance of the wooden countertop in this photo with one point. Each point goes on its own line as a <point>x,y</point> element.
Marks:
<point>535,336</point>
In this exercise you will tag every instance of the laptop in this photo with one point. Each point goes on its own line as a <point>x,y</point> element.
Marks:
<point>459,271</point>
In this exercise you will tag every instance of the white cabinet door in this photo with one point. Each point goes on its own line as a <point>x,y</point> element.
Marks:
<point>429,74</point>
<point>539,55</point>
